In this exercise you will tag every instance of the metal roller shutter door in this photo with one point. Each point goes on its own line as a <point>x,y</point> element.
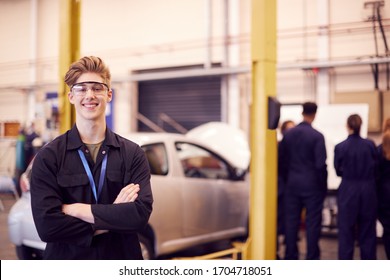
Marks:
<point>189,101</point>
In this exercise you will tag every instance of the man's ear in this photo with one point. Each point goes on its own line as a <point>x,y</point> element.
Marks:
<point>109,96</point>
<point>71,97</point>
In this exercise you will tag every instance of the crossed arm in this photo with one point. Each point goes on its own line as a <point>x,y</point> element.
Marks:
<point>83,211</point>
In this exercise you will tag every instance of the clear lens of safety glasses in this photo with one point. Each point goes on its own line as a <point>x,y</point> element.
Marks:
<point>81,89</point>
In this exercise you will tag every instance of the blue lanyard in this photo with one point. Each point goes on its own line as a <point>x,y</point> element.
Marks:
<point>90,177</point>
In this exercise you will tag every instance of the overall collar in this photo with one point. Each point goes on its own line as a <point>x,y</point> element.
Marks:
<point>74,140</point>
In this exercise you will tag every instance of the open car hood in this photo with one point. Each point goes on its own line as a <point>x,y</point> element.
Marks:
<point>227,140</point>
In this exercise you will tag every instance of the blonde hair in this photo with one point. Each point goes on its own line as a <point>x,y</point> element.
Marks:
<point>88,64</point>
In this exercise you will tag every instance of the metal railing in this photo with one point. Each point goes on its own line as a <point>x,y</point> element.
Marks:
<point>162,118</point>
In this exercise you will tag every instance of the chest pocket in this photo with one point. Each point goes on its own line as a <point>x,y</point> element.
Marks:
<point>113,187</point>
<point>75,188</point>
<point>114,176</point>
<point>115,179</point>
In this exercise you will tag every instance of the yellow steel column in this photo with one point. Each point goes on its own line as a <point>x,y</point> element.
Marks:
<point>263,141</point>
<point>69,52</point>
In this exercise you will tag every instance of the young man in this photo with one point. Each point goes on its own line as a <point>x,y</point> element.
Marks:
<point>90,188</point>
<point>303,160</point>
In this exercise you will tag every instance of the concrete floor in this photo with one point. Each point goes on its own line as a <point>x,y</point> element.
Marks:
<point>328,243</point>
<point>7,249</point>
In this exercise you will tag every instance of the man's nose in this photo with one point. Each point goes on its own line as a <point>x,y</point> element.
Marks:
<point>90,92</point>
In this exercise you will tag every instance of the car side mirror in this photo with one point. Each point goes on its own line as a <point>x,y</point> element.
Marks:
<point>239,174</point>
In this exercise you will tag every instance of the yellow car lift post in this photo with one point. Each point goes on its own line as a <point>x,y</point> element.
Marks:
<point>263,194</point>
<point>69,51</point>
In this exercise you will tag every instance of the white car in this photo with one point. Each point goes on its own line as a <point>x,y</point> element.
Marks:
<point>200,188</point>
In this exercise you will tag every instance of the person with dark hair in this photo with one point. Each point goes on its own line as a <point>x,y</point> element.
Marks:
<point>355,161</point>
<point>303,159</point>
<point>284,127</point>
<point>384,186</point>
<point>90,188</point>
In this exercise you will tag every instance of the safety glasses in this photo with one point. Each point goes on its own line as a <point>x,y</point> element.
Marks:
<point>81,89</point>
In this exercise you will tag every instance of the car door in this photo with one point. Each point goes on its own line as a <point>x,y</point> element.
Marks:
<point>213,202</point>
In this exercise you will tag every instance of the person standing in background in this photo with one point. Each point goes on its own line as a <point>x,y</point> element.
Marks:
<point>355,161</point>
<point>20,163</point>
<point>384,186</point>
<point>285,126</point>
<point>29,150</point>
<point>303,156</point>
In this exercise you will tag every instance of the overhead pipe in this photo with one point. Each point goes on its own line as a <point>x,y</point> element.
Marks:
<point>378,12</point>
<point>333,63</point>
<point>385,43</point>
<point>375,17</point>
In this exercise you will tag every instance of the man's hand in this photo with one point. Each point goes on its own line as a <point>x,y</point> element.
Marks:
<point>100,231</point>
<point>128,194</point>
<point>79,210</point>
<point>83,211</point>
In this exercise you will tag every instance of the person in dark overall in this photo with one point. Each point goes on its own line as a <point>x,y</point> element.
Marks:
<point>31,135</point>
<point>90,188</point>
<point>303,156</point>
<point>384,186</point>
<point>20,163</point>
<point>285,126</point>
<point>355,161</point>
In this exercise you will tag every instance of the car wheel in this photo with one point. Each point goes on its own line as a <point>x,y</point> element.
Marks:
<point>146,248</point>
<point>27,253</point>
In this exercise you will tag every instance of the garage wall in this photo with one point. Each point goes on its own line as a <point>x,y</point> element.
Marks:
<point>13,106</point>
<point>134,35</point>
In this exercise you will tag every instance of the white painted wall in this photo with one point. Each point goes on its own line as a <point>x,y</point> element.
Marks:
<point>133,35</point>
